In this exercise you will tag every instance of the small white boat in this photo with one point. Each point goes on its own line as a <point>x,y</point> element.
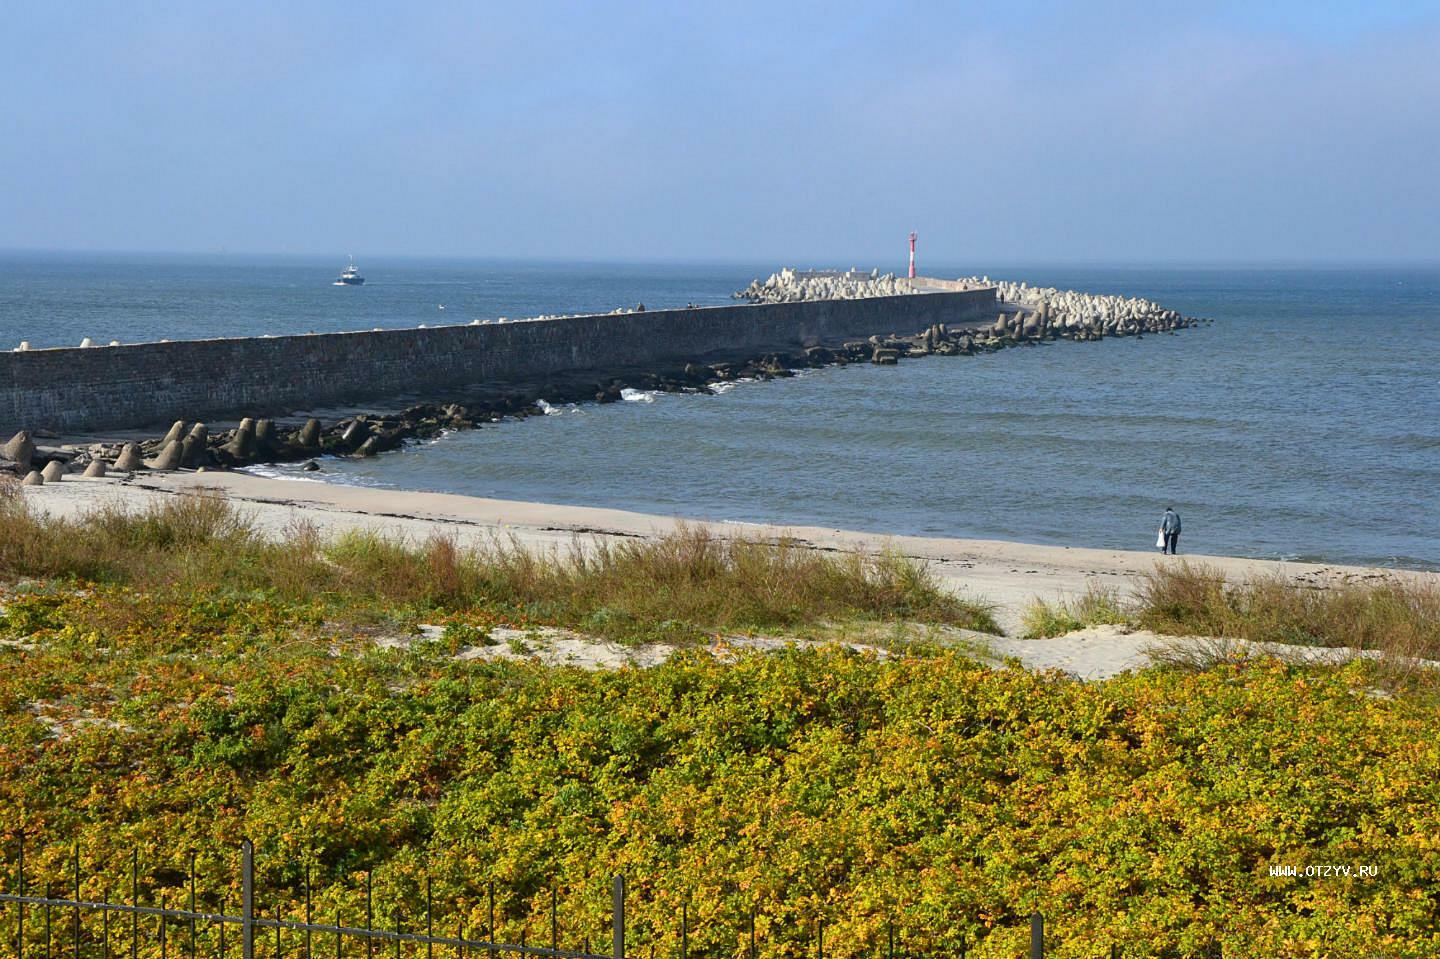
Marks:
<point>350,276</point>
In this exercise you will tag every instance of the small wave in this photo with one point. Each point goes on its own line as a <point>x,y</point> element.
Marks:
<point>724,387</point>
<point>274,472</point>
<point>637,396</point>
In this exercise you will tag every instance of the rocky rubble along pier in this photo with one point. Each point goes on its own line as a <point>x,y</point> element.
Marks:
<point>1036,309</point>
<point>1073,310</point>
<point>797,286</point>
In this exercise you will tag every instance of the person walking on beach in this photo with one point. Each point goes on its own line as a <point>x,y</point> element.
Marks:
<point>1170,531</point>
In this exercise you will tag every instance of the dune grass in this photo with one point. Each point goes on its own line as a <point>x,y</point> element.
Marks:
<point>1094,607</point>
<point>677,587</point>
<point>1398,617</point>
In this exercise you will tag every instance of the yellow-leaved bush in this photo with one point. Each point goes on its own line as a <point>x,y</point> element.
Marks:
<point>918,789</point>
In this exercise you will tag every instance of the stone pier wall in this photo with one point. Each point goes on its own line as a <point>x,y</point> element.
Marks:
<point>124,387</point>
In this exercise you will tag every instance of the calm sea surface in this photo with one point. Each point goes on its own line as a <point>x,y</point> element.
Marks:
<point>1305,423</point>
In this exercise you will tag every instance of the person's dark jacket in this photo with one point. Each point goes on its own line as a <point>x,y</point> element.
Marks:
<point>1171,522</point>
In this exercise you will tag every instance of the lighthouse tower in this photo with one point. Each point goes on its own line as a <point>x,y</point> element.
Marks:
<point>912,254</point>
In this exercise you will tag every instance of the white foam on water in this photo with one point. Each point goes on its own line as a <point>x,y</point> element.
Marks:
<point>637,396</point>
<point>274,472</point>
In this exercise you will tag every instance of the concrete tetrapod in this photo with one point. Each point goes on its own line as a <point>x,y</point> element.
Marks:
<point>177,431</point>
<point>129,459</point>
<point>192,449</point>
<point>96,468</point>
<point>20,450</point>
<point>33,478</point>
<point>355,434</point>
<point>242,444</point>
<point>308,438</point>
<point>169,458</point>
<point>53,471</point>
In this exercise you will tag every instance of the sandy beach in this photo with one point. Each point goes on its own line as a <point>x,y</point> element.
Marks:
<point>1006,574</point>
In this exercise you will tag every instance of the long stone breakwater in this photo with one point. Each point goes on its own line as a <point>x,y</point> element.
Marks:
<point>1039,316</point>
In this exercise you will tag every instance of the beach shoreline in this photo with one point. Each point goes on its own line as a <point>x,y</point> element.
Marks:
<point>1009,575</point>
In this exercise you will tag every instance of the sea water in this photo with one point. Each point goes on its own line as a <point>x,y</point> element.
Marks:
<point>1304,423</point>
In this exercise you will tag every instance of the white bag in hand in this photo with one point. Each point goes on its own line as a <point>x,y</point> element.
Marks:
<point>1160,538</point>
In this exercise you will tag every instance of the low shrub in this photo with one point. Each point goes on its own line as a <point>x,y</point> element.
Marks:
<point>1095,607</point>
<point>1399,617</point>
<point>809,785</point>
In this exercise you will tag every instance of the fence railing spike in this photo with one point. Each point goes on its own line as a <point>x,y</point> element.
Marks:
<point>20,910</point>
<point>308,914</point>
<point>617,917</point>
<point>192,906</point>
<point>135,902</point>
<point>75,922</point>
<point>247,899</point>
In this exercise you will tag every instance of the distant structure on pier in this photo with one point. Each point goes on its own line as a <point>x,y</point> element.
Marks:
<point>912,254</point>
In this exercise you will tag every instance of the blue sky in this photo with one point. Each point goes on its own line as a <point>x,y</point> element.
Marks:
<point>1003,131</point>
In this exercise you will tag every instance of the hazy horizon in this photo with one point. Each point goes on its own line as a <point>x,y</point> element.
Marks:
<point>893,263</point>
<point>1030,133</point>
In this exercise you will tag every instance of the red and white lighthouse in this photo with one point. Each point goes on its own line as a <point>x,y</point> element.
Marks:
<point>912,254</point>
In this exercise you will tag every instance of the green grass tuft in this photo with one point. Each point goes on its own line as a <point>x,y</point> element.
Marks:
<point>1399,617</point>
<point>679,587</point>
<point>1095,607</point>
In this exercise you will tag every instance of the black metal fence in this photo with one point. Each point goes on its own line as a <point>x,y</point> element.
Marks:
<point>249,928</point>
<point>250,931</point>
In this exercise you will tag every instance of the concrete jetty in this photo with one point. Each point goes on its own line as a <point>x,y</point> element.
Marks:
<point>482,374</point>
<point>145,384</point>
